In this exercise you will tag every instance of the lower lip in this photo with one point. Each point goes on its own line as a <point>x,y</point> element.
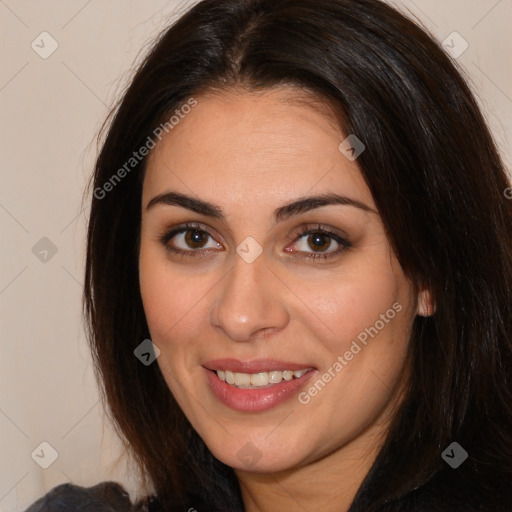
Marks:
<point>253,400</point>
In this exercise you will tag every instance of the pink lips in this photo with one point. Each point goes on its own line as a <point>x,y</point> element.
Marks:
<point>253,400</point>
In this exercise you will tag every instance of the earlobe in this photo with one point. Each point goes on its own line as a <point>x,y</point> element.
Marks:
<point>426,306</point>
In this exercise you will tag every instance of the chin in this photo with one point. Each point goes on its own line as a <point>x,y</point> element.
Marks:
<point>255,456</point>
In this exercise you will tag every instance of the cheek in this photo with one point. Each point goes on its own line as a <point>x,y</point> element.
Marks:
<point>158,286</point>
<point>354,301</point>
<point>175,304</point>
<point>163,295</point>
<point>368,311</point>
<point>158,300</point>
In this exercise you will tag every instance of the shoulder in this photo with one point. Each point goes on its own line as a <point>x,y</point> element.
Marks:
<point>466,489</point>
<point>456,493</point>
<point>469,488</point>
<point>104,497</point>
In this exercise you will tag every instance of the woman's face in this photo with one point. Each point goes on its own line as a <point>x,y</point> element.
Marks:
<point>267,283</point>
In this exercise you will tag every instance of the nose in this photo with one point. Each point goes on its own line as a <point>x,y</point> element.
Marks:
<point>250,302</point>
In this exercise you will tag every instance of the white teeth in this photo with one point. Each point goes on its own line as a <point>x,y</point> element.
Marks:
<point>257,380</point>
<point>230,377</point>
<point>275,377</point>
<point>242,379</point>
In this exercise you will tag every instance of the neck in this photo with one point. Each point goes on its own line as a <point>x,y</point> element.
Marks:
<point>328,484</point>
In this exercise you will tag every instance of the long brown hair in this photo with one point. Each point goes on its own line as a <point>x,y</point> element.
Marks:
<point>437,180</point>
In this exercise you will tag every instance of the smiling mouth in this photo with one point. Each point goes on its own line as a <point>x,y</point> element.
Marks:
<point>259,380</point>
<point>256,385</point>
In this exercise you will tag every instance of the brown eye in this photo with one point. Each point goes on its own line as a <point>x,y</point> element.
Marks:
<point>189,240</point>
<point>319,241</point>
<point>195,238</point>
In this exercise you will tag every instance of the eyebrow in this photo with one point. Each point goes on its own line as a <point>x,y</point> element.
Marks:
<point>295,207</point>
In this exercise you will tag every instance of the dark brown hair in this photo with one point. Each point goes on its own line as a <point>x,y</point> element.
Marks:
<point>437,180</point>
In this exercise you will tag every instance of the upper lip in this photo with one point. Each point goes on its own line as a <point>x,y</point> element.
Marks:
<point>254,366</point>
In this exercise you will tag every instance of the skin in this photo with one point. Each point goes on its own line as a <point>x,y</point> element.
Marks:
<point>250,153</point>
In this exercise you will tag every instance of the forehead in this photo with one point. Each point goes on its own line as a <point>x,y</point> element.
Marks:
<point>272,145</point>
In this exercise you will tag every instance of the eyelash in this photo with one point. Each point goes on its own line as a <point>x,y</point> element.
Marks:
<point>301,233</point>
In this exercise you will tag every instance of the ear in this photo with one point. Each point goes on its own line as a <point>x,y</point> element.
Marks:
<point>426,306</point>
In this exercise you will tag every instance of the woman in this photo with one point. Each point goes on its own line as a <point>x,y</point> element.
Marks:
<point>299,267</point>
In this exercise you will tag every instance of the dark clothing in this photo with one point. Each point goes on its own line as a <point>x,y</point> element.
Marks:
<point>442,493</point>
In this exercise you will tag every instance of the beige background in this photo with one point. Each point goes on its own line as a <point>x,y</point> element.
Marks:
<point>51,111</point>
